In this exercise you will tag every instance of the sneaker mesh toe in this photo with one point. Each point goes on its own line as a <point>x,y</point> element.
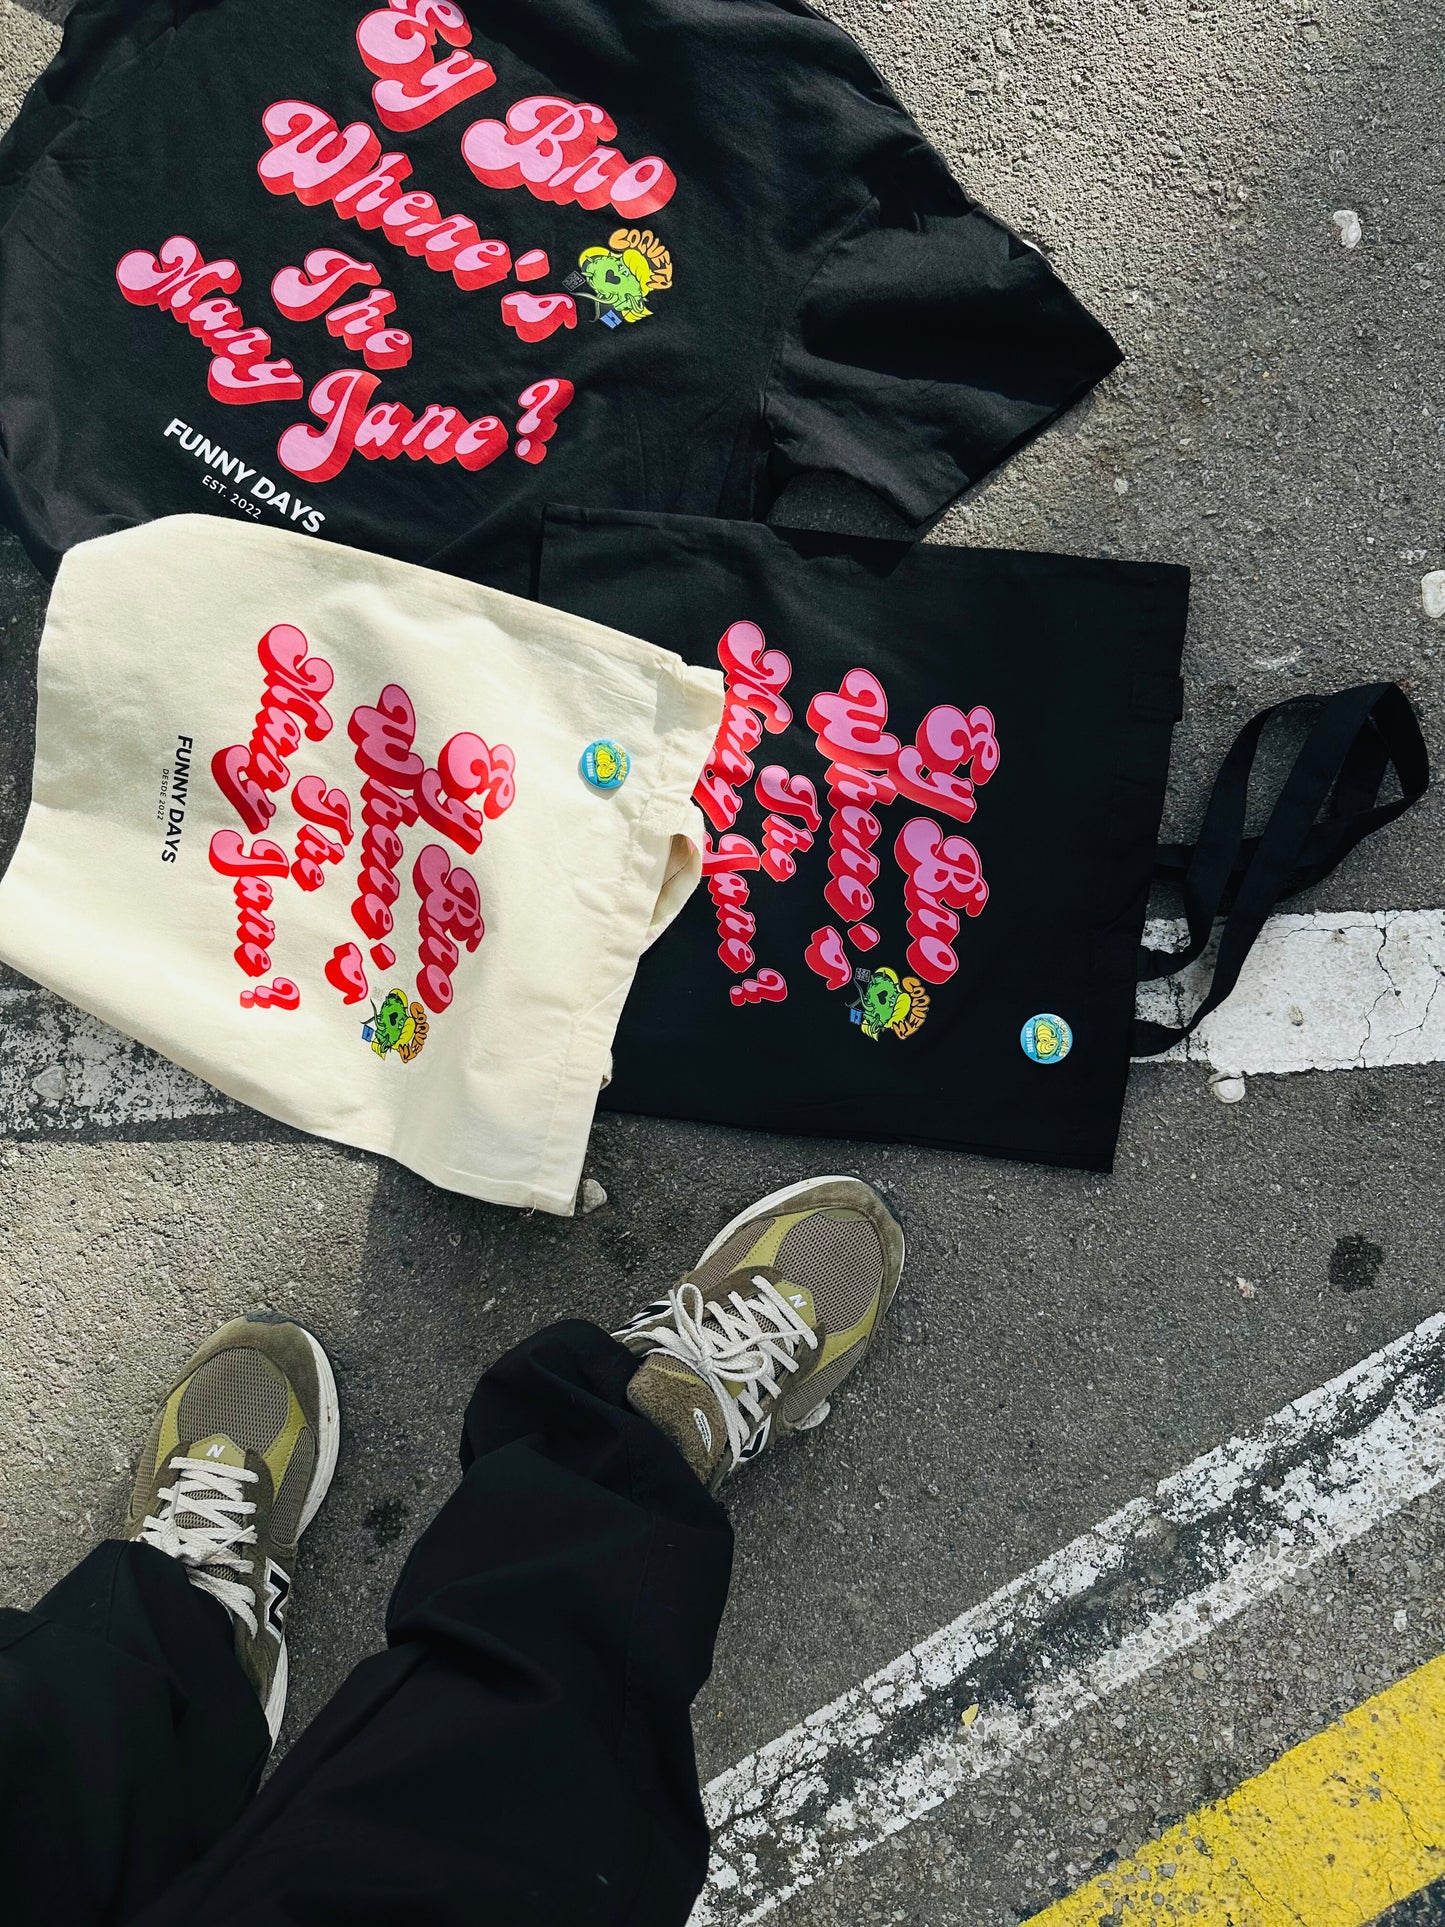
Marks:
<point>839,1260</point>
<point>730,1253</point>
<point>239,1393</point>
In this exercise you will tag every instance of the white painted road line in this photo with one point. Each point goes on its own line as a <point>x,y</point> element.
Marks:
<point>1138,1589</point>
<point>1339,990</point>
<point>1343,990</point>
<point>61,1069</point>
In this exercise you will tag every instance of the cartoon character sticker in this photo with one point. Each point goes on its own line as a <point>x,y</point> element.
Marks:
<point>620,278</point>
<point>605,765</point>
<point>396,1027</point>
<point>1046,1039</point>
<point>886,1001</point>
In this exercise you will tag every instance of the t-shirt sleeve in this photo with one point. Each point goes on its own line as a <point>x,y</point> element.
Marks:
<point>928,345</point>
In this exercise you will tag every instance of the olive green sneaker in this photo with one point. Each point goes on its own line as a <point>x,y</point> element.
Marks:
<point>235,1469</point>
<point>753,1342</point>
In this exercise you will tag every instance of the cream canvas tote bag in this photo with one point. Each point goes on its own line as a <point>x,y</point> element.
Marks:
<point>370,848</point>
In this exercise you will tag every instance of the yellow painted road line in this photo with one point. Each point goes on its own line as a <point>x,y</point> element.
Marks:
<point>1337,1830</point>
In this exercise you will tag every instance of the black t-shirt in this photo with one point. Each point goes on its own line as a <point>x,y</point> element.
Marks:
<point>340,269</point>
<point>932,806</point>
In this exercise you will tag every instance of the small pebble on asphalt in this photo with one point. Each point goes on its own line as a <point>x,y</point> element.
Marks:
<point>1348,223</point>
<point>1432,594</point>
<point>50,1085</point>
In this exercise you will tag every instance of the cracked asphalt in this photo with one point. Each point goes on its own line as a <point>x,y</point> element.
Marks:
<point>1061,1341</point>
<point>1332,990</point>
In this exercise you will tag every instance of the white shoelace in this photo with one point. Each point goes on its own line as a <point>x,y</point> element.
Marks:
<point>211,1492</point>
<point>728,1345</point>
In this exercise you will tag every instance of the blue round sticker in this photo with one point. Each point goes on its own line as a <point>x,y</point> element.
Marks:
<point>1046,1039</point>
<point>605,765</point>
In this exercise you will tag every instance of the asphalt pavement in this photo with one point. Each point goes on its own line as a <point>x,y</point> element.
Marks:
<point>1062,1341</point>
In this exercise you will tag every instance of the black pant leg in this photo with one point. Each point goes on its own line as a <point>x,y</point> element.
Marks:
<point>522,1752</point>
<point>129,1739</point>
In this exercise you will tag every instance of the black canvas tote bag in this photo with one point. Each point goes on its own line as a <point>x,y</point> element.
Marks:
<point>933,808</point>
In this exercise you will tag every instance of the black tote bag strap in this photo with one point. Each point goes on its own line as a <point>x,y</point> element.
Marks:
<point>1329,802</point>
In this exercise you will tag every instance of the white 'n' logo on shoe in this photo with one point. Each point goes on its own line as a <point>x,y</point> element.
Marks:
<point>278,1592</point>
<point>216,1451</point>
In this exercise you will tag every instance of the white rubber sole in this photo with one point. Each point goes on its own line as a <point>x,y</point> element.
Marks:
<point>275,1707</point>
<point>328,1448</point>
<point>328,1442</point>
